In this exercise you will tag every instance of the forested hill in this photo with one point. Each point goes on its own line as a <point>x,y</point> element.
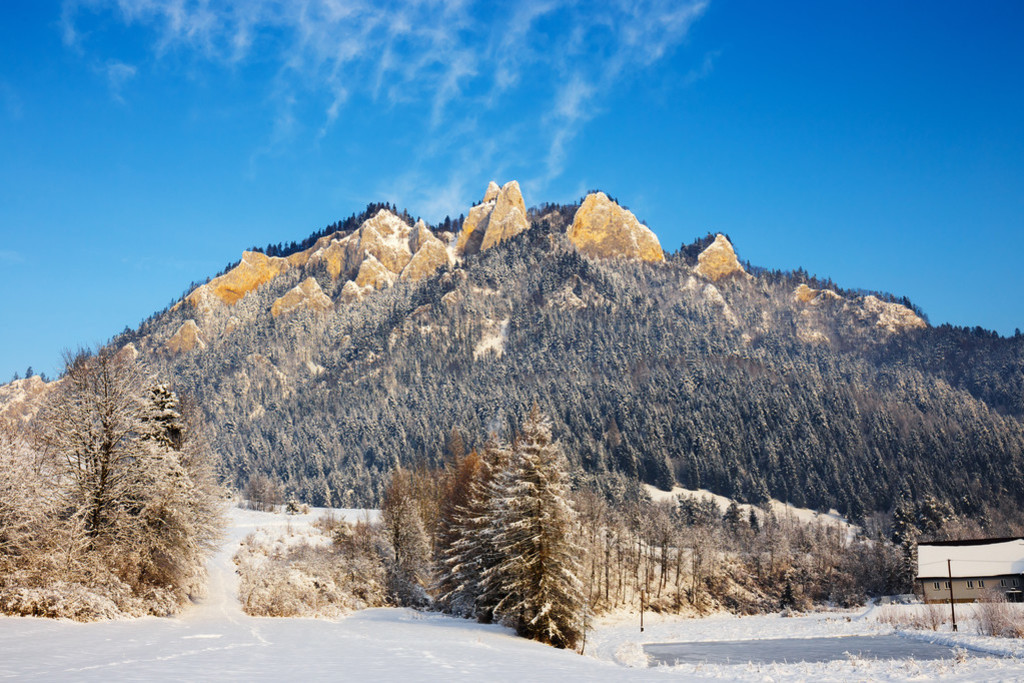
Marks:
<point>376,346</point>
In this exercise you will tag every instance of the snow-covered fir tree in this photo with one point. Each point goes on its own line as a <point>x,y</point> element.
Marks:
<point>530,524</point>
<point>469,549</point>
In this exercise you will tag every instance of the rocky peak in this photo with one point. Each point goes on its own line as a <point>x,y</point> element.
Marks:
<point>420,234</point>
<point>21,399</point>
<point>492,192</point>
<point>306,295</point>
<point>807,295</point>
<point>603,229</point>
<point>718,260</point>
<point>501,215</point>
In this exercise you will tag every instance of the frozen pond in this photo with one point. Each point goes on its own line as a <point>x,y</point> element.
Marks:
<point>795,650</point>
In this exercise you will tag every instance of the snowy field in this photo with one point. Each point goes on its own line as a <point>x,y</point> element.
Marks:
<point>214,640</point>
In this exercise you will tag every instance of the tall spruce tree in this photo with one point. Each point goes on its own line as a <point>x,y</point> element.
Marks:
<point>470,551</point>
<point>530,524</point>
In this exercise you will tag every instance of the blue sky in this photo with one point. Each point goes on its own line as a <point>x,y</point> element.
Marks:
<point>145,143</point>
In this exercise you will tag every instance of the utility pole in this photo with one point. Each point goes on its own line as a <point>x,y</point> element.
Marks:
<point>643,596</point>
<point>949,568</point>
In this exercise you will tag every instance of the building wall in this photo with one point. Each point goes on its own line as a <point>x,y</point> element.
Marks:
<point>970,590</point>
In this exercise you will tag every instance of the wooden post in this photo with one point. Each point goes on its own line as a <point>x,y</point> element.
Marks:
<point>949,568</point>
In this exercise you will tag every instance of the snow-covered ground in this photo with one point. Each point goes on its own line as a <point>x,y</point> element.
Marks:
<point>215,640</point>
<point>781,510</point>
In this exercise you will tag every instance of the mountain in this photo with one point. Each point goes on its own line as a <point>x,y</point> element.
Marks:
<point>381,341</point>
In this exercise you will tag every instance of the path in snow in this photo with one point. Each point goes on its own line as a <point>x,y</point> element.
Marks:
<point>216,640</point>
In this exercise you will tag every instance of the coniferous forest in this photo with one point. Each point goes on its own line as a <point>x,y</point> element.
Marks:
<point>649,374</point>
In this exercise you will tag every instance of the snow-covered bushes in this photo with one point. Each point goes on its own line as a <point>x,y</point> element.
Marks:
<point>997,617</point>
<point>929,617</point>
<point>332,569</point>
<point>111,507</point>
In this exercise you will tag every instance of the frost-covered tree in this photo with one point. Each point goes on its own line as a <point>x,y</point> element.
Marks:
<point>468,544</point>
<point>530,522</point>
<point>134,474</point>
<point>28,509</point>
<point>408,563</point>
<point>91,426</point>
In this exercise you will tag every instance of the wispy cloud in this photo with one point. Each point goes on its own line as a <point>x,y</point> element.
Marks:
<point>554,62</point>
<point>117,74</point>
<point>11,257</point>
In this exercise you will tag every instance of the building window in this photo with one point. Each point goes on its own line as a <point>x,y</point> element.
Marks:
<point>936,585</point>
<point>1015,582</point>
<point>981,583</point>
<point>1002,582</point>
<point>947,584</point>
<point>970,584</point>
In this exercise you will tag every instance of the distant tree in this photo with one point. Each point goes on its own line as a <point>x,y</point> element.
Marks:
<point>264,493</point>
<point>408,565</point>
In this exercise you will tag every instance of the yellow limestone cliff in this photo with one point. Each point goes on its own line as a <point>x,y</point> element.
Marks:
<point>603,229</point>
<point>501,215</point>
<point>254,270</point>
<point>185,339</point>
<point>892,317</point>
<point>306,295</point>
<point>381,251</point>
<point>718,260</point>
<point>21,399</point>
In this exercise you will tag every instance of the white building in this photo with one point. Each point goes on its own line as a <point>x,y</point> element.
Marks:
<point>965,570</point>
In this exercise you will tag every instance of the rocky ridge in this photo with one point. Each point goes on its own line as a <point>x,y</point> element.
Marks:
<point>20,400</point>
<point>383,250</point>
<point>306,295</point>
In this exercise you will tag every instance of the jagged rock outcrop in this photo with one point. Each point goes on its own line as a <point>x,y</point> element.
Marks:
<point>382,250</point>
<point>21,399</point>
<point>373,274</point>
<point>892,317</point>
<point>805,294</point>
<point>808,295</point>
<point>501,215</point>
<point>187,338</point>
<point>254,270</point>
<point>420,235</point>
<point>603,229</point>
<point>576,295</point>
<point>352,292</point>
<point>718,260</point>
<point>305,296</point>
<point>431,255</point>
